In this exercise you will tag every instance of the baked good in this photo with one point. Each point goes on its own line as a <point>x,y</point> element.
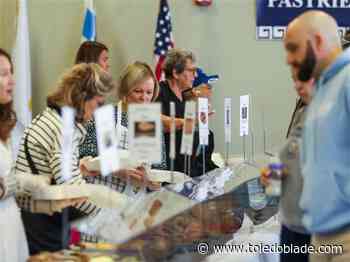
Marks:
<point>157,204</point>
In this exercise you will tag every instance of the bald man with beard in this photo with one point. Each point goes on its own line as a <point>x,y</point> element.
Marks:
<point>314,50</point>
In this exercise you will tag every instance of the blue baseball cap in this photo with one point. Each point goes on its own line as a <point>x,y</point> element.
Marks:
<point>203,78</point>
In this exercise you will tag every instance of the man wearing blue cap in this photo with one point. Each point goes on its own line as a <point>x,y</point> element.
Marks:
<point>201,86</point>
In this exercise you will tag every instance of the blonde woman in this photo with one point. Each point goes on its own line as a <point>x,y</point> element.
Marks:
<point>137,84</point>
<point>84,88</point>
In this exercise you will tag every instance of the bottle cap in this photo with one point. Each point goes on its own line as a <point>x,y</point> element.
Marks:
<point>274,166</point>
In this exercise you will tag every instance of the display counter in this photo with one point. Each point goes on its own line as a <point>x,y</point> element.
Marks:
<point>216,219</point>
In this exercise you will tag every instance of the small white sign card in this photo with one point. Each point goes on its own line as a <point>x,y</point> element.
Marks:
<point>244,115</point>
<point>203,120</point>
<point>68,115</point>
<point>145,132</point>
<point>119,119</point>
<point>188,128</point>
<point>228,119</point>
<point>107,142</point>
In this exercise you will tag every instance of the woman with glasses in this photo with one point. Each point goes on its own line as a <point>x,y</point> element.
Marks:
<point>180,71</point>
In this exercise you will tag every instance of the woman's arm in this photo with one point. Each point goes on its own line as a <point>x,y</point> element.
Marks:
<point>166,120</point>
<point>76,177</point>
<point>8,185</point>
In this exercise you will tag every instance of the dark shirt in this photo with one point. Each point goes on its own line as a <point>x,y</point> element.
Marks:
<point>166,95</point>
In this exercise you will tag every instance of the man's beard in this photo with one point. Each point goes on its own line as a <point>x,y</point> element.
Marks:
<point>307,67</point>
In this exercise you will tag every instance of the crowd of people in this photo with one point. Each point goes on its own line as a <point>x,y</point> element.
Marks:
<point>314,203</point>
<point>38,225</point>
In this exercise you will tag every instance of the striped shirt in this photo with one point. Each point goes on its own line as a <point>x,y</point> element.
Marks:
<point>43,138</point>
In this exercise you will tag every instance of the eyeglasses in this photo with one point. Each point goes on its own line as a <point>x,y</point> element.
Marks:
<point>191,70</point>
<point>345,42</point>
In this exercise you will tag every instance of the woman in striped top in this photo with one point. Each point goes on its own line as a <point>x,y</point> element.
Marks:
<point>83,88</point>
<point>13,243</point>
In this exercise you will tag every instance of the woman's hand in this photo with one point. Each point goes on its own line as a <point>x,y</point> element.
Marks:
<point>85,172</point>
<point>154,186</point>
<point>202,91</point>
<point>135,176</point>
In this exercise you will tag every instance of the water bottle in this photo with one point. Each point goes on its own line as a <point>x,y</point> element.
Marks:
<point>275,177</point>
<point>257,197</point>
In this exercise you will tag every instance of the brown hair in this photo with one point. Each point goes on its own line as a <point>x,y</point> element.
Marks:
<point>80,84</point>
<point>133,74</point>
<point>89,52</point>
<point>7,114</point>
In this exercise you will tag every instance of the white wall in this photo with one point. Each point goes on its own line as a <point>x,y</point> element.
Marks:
<point>222,36</point>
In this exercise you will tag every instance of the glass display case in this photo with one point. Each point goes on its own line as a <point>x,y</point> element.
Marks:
<point>171,223</point>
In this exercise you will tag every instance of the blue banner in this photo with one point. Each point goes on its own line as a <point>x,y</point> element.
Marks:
<point>272,16</point>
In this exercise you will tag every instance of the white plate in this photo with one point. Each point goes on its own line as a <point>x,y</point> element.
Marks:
<point>156,175</point>
<point>125,161</point>
<point>61,192</point>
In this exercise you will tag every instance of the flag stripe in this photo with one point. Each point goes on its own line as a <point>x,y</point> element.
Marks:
<point>163,37</point>
<point>159,65</point>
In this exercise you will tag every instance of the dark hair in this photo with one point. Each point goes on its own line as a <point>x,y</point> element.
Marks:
<point>80,84</point>
<point>89,52</point>
<point>176,60</point>
<point>346,40</point>
<point>7,114</point>
<point>299,104</point>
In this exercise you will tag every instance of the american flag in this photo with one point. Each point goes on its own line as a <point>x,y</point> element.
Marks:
<point>163,40</point>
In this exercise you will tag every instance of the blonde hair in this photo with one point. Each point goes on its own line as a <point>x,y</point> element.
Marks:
<point>80,84</point>
<point>134,74</point>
